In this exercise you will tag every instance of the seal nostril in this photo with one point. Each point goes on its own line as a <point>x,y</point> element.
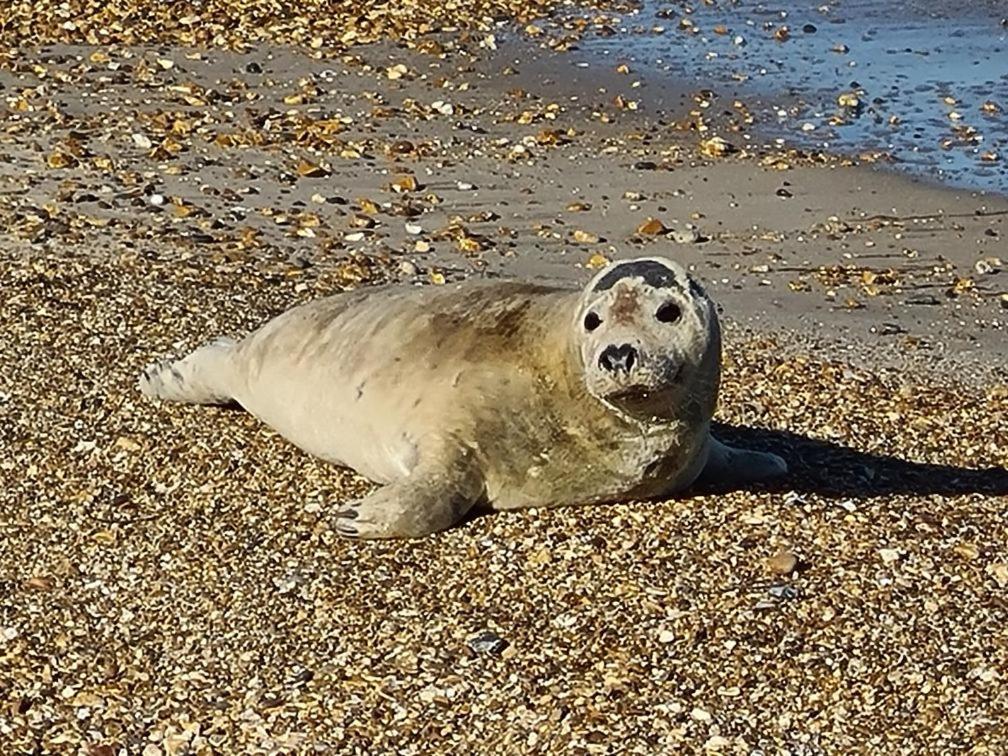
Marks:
<point>605,359</point>
<point>618,358</point>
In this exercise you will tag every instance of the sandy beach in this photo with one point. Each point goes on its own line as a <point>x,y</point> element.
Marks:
<point>171,579</point>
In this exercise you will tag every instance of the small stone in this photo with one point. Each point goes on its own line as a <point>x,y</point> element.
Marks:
<point>987,266</point>
<point>685,236</point>
<point>666,636</point>
<point>889,555</point>
<point>487,642</point>
<point>782,563</point>
<point>408,268</point>
<point>645,165</point>
<point>156,199</point>
<point>999,571</point>
<point>651,227</point>
<point>39,583</point>
<point>783,592</point>
<point>142,141</point>
<point>716,147</point>
<point>701,715</point>
<point>966,551</point>
<point>405,183</point>
<point>716,743</point>
<point>849,100</point>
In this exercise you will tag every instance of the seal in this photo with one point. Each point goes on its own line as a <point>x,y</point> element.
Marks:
<point>495,393</point>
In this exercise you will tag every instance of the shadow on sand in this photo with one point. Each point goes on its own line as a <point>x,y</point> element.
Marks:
<point>834,471</point>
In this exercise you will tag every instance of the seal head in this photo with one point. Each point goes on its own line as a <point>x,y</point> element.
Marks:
<point>647,335</point>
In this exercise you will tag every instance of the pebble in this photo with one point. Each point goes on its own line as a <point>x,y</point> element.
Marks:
<point>487,642</point>
<point>783,592</point>
<point>889,555</point>
<point>685,235</point>
<point>701,715</point>
<point>782,563</point>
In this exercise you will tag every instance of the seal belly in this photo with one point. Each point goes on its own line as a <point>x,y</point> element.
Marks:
<point>308,378</point>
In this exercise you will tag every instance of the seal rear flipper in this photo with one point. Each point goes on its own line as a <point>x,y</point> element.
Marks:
<point>204,377</point>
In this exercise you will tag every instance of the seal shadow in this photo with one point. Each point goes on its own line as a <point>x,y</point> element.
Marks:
<point>836,471</point>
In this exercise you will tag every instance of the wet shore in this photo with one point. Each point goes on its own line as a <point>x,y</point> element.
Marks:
<point>922,86</point>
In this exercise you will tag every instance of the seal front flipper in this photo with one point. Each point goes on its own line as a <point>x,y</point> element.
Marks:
<point>433,497</point>
<point>728,467</point>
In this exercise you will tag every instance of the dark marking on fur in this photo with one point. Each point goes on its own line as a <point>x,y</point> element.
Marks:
<point>510,321</point>
<point>625,307</point>
<point>176,374</point>
<point>695,288</point>
<point>654,274</point>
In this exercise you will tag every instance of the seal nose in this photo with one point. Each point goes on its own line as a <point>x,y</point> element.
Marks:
<point>618,358</point>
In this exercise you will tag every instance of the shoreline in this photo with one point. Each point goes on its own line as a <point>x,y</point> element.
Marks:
<point>776,247</point>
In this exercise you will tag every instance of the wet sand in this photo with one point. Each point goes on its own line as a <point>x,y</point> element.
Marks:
<point>920,84</point>
<point>175,582</point>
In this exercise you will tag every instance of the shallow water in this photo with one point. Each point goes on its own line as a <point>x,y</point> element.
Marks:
<point>921,72</point>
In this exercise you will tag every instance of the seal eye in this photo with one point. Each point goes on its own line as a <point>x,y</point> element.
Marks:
<point>592,321</point>
<point>668,313</point>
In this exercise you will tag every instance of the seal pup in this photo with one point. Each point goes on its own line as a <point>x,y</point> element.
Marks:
<point>500,393</point>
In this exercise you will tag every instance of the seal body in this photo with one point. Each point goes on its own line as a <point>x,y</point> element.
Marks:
<point>508,394</point>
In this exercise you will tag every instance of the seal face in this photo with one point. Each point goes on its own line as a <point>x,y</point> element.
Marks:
<point>646,329</point>
<point>501,393</point>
